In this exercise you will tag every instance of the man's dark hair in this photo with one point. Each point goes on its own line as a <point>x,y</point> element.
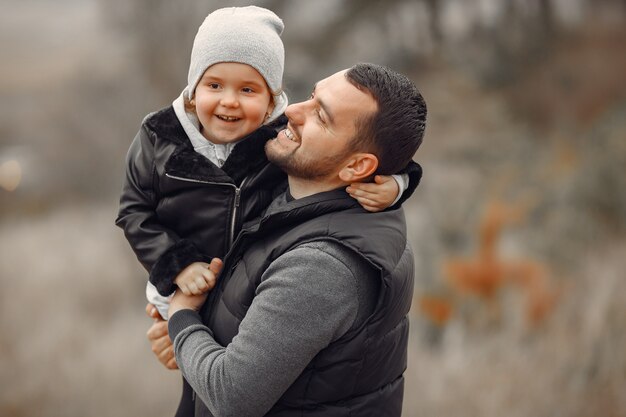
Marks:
<point>395,131</point>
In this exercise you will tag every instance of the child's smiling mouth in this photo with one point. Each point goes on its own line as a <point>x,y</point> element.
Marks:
<point>227,118</point>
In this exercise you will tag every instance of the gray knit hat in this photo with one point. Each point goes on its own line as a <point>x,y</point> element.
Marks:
<point>247,35</point>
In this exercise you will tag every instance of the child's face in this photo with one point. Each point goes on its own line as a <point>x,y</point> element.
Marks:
<point>231,101</point>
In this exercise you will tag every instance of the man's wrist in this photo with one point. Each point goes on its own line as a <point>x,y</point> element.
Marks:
<point>181,301</point>
<point>175,308</point>
<point>180,320</point>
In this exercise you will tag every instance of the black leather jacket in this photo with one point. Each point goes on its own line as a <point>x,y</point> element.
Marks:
<point>177,207</point>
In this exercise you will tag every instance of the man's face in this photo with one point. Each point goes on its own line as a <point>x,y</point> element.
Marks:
<point>317,139</point>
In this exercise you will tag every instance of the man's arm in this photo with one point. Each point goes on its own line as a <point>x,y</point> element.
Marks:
<point>307,299</point>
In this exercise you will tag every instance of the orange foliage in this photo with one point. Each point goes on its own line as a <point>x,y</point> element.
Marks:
<point>437,309</point>
<point>485,273</point>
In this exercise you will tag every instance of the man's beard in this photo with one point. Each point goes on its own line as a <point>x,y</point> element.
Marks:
<point>298,166</point>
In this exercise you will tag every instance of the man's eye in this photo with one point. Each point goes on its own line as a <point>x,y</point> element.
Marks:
<point>319,116</point>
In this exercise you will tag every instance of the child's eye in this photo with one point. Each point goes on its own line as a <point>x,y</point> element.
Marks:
<point>214,86</point>
<point>247,90</point>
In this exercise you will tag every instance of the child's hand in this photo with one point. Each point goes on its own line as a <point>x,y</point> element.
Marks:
<point>181,301</point>
<point>375,196</point>
<point>199,277</point>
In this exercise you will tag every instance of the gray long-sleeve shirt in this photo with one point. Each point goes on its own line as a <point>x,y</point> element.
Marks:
<point>308,298</point>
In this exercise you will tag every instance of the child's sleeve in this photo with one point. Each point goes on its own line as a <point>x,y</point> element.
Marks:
<point>403,182</point>
<point>159,249</point>
<point>413,173</point>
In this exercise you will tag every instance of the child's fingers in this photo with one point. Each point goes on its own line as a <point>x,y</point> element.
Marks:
<point>185,289</point>
<point>362,187</point>
<point>193,289</point>
<point>209,279</point>
<point>372,209</point>
<point>201,282</point>
<point>381,179</point>
<point>359,194</point>
<point>364,201</point>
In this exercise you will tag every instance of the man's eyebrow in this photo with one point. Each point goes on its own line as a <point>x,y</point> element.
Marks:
<point>324,107</point>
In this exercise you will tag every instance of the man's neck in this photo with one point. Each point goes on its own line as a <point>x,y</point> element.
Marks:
<point>299,187</point>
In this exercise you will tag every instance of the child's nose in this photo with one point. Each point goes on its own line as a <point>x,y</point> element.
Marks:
<point>229,99</point>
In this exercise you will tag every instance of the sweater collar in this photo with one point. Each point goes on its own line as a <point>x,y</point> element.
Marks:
<point>283,212</point>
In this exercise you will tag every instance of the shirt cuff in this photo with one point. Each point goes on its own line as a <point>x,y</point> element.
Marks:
<point>402,181</point>
<point>181,320</point>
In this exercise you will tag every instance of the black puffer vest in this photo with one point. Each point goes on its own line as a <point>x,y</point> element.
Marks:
<point>360,374</point>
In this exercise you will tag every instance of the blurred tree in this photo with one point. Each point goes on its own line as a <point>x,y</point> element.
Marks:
<point>546,13</point>
<point>496,48</point>
<point>434,10</point>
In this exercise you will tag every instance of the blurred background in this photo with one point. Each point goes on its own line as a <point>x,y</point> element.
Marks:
<point>518,227</point>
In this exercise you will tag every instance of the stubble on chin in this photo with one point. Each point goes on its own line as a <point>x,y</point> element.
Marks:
<point>283,160</point>
<point>296,165</point>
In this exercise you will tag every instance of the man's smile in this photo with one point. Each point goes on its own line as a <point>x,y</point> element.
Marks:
<point>287,140</point>
<point>289,134</point>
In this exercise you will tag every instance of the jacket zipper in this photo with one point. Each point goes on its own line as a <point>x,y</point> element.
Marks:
<point>236,203</point>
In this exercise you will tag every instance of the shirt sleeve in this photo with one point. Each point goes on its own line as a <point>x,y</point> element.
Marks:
<point>403,181</point>
<point>307,299</point>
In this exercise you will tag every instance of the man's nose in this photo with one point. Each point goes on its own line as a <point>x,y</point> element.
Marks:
<point>295,112</point>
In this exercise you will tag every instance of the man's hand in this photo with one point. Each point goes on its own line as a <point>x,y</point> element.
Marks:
<point>182,301</point>
<point>159,339</point>
<point>375,196</point>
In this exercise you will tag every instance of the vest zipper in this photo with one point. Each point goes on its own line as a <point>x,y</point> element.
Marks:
<point>235,209</point>
<point>233,221</point>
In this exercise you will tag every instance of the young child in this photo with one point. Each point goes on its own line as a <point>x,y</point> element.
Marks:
<point>197,169</point>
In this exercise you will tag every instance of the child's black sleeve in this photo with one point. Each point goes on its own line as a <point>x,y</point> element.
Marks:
<point>159,249</point>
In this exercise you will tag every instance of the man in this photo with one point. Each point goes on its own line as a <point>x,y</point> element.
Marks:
<point>309,314</point>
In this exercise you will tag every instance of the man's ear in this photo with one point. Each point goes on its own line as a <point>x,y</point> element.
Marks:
<point>358,167</point>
